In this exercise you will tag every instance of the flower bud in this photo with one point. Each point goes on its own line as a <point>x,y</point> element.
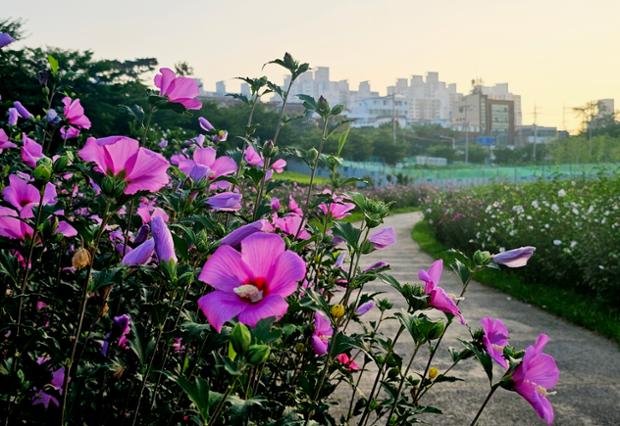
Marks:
<point>81,258</point>
<point>337,311</point>
<point>432,373</point>
<point>482,257</point>
<point>61,163</point>
<point>436,331</point>
<point>257,354</point>
<point>43,171</point>
<point>300,347</point>
<point>268,148</point>
<point>202,241</point>
<point>240,338</point>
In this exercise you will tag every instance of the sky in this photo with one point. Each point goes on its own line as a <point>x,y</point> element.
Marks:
<point>557,54</point>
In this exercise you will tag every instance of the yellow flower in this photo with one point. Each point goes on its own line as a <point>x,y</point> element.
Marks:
<point>433,372</point>
<point>337,311</point>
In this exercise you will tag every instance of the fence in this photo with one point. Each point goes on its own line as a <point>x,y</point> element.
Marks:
<point>445,177</point>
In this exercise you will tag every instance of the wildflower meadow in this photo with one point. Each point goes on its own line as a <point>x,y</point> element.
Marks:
<point>147,278</point>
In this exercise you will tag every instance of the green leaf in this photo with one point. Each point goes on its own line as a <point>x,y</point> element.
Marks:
<point>53,64</point>
<point>342,140</point>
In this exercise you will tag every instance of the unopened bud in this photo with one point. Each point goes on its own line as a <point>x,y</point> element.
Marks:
<point>43,171</point>
<point>432,373</point>
<point>81,258</point>
<point>257,354</point>
<point>337,311</point>
<point>240,338</point>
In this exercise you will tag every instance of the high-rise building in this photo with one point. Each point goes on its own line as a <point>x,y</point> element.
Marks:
<point>604,108</point>
<point>220,88</point>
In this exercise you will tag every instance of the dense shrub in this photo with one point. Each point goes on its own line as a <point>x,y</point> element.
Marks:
<point>574,225</point>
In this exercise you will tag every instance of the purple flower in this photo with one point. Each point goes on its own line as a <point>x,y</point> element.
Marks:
<point>180,90</point>
<point>69,132</point>
<point>164,245</point>
<point>205,165</point>
<point>205,124</point>
<point>535,376</point>
<point>141,168</point>
<point>74,113</point>
<point>52,116</point>
<point>139,255</point>
<point>5,143</point>
<point>383,238</point>
<point>121,327</point>
<point>514,258</point>
<point>290,224</point>
<point>275,204</point>
<point>221,136</point>
<point>239,234</point>
<point>278,165</point>
<point>375,266</point>
<point>13,117</point>
<point>42,397</point>
<point>12,227</point>
<point>252,157</point>
<point>495,339</point>
<point>252,283</point>
<point>225,201</point>
<point>65,229</point>
<point>365,307</point>
<point>437,296</point>
<point>24,196</point>
<point>23,112</point>
<point>322,333</point>
<point>337,210</point>
<point>5,39</point>
<point>31,151</point>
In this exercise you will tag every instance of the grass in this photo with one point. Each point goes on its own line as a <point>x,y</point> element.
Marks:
<point>299,178</point>
<point>577,307</point>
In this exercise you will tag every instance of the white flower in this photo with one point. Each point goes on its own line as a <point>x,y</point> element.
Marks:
<point>557,242</point>
<point>555,207</point>
<point>573,244</point>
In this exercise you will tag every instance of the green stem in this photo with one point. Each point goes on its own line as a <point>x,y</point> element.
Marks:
<point>366,412</point>
<point>402,382</point>
<point>28,262</point>
<point>484,404</point>
<point>84,303</point>
<point>266,160</point>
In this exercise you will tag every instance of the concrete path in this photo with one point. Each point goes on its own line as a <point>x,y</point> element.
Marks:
<point>589,389</point>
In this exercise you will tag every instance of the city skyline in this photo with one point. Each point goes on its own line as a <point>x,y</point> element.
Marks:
<point>553,54</point>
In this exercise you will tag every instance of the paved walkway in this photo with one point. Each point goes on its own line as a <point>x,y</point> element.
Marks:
<point>589,389</point>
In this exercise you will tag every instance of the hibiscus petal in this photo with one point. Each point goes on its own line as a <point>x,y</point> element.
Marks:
<point>224,270</point>
<point>220,306</point>
<point>259,251</point>
<point>287,270</point>
<point>271,306</point>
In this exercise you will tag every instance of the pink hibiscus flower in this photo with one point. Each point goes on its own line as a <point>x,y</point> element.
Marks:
<point>12,227</point>
<point>25,197</point>
<point>205,165</point>
<point>5,143</point>
<point>141,168</point>
<point>31,151</point>
<point>437,296</point>
<point>251,284</point>
<point>179,90</point>
<point>495,339</point>
<point>535,376</point>
<point>74,113</point>
<point>322,333</point>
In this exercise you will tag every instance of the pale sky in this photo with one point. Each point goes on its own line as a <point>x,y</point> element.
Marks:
<point>553,53</point>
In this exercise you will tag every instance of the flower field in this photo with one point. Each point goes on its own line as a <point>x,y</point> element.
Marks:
<point>574,225</point>
<point>147,278</point>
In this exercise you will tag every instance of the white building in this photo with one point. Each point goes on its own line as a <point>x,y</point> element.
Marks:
<point>378,110</point>
<point>317,83</point>
<point>604,107</point>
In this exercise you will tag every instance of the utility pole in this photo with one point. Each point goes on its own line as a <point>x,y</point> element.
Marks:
<point>535,133</point>
<point>394,117</point>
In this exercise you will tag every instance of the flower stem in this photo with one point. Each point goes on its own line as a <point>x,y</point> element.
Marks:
<point>484,404</point>
<point>402,382</point>
<point>84,303</point>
